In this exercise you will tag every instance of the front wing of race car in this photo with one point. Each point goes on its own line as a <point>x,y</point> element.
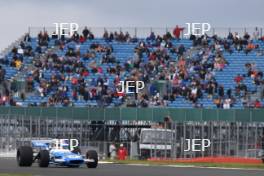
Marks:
<point>71,160</point>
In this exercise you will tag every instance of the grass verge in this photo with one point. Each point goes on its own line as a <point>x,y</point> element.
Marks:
<point>7,174</point>
<point>162,163</point>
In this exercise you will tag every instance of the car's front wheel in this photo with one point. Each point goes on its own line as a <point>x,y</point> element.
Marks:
<point>92,154</point>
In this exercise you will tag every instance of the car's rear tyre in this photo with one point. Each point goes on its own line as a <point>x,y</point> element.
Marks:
<point>24,156</point>
<point>44,158</point>
<point>92,154</point>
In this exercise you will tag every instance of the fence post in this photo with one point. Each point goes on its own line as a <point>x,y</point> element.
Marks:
<point>237,138</point>
<point>246,148</point>
<point>220,138</point>
<point>56,131</point>
<point>152,114</point>
<point>88,113</point>
<point>137,114</point>
<point>211,135</point>
<point>30,128</point>
<point>229,139</point>
<point>175,141</point>
<point>47,126</point>
<point>120,112</point>
<point>217,114</point>
<point>250,115</point>
<point>1,133</point>
<point>184,139</point>
<point>8,133</point>
<point>104,113</point>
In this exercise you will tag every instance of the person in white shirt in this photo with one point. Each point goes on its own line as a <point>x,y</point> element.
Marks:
<point>112,151</point>
<point>227,103</point>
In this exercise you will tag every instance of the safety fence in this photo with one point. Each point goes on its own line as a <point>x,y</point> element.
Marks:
<point>131,114</point>
<point>143,138</point>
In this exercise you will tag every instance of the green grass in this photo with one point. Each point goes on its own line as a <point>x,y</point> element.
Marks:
<point>223,165</point>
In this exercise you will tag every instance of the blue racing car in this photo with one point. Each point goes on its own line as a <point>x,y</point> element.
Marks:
<point>50,152</point>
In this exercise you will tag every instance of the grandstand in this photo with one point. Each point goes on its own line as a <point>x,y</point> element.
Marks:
<point>84,70</point>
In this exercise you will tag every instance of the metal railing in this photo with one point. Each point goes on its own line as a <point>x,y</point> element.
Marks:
<point>131,114</point>
<point>240,139</point>
<point>143,32</point>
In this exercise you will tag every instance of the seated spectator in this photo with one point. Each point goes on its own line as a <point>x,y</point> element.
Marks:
<point>257,104</point>
<point>245,102</point>
<point>249,47</point>
<point>219,63</point>
<point>181,50</point>
<point>238,79</point>
<point>82,39</point>
<point>221,92</point>
<point>152,36</point>
<point>227,103</point>
<point>30,84</point>
<point>218,102</point>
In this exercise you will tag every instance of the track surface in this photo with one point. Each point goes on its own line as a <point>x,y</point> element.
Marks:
<point>9,166</point>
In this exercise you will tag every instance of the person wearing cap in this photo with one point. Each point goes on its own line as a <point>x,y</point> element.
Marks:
<point>122,152</point>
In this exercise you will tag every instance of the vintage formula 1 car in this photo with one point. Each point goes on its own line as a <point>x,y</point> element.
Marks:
<point>45,153</point>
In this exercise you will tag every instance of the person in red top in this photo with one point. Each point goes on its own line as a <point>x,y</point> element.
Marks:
<point>238,79</point>
<point>152,56</point>
<point>74,81</point>
<point>122,152</point>
<point>257,104</point>
<point>85,73</point>
<point>99,70</point>
<point>177,32</point>
<point>82,39</point>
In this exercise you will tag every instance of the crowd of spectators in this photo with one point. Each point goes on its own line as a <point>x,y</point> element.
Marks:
<point>191,77</point>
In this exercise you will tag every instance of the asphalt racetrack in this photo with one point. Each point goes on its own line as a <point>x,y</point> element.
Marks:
<point>8,165</point>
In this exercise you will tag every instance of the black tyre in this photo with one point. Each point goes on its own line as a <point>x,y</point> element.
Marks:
<point>92,154</point>
<point>44,158</point>
<point>24,156</point>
